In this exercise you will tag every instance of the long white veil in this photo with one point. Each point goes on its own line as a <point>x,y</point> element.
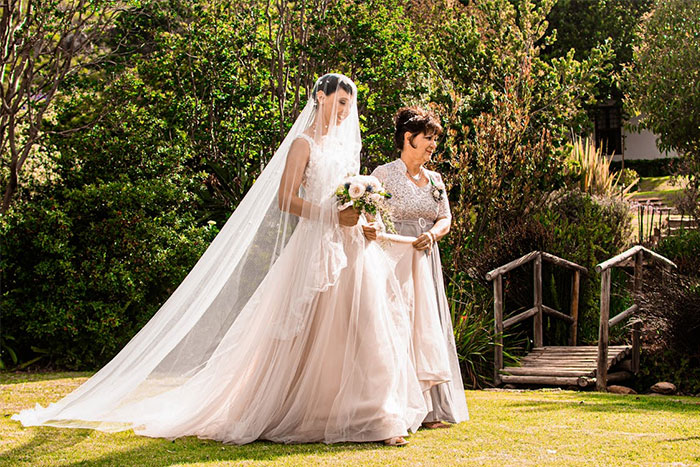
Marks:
<point>194,326</point>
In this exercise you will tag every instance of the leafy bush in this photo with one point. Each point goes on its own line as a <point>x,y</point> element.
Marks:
<point>627,177</point>
<point>648,168</point>
<point>588,230</point>
<point>684,250</point>
<point>670,308</point>
<point>83,271</point>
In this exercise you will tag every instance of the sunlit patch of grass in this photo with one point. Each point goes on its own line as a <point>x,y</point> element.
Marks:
<point>507,428</point>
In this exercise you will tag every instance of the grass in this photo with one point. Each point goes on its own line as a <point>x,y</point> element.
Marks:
<point>663,188</point>
<point>507,428</point>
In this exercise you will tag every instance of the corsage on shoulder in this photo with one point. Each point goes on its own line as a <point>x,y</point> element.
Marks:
<point>437,189</point>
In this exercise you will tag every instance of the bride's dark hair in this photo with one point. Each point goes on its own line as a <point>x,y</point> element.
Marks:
<point>415,121</point>
<point>329,84</point>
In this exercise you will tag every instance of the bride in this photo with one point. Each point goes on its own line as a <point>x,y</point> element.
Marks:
<point>290,328</point>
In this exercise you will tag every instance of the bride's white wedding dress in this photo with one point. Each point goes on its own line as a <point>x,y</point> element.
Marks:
<point>296,332</point>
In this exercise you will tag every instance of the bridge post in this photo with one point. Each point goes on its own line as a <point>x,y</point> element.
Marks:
<point>637,326</point>
<point>602,372</point>
<point>575,288</point>
<point>498,320</point>
<point>537,281</point>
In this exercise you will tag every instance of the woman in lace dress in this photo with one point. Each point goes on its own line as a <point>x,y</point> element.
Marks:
<point>290,328</point>
<point>420,209</point>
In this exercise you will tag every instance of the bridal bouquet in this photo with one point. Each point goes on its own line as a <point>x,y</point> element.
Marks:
<point>366,194</point>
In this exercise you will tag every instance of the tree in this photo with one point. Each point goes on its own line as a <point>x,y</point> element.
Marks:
<point>583,25</point>
<point>41,42</point>
<point>663,81</point>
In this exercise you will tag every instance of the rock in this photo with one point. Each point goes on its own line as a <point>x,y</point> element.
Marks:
<point>664,388</point>
<point>621,390</point>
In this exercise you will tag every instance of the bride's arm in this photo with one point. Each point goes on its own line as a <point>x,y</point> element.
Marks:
<point>288,194</point>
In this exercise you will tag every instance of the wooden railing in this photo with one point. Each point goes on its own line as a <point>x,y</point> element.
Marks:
<point>604,269</point>
<point>538,309</point>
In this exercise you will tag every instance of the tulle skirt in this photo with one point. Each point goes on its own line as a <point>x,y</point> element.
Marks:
<point>333,362</point>
<point>446,401</point>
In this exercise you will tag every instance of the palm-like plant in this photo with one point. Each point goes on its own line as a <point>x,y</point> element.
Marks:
<point>592,169</point>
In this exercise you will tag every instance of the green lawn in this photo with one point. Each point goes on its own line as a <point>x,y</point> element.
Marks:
<point>658,187</point>
<point>544,427</point>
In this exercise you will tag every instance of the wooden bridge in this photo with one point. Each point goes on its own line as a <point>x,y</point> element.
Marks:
<point>571,365</point>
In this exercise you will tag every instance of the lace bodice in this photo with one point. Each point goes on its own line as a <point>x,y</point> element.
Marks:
<point>329,163</point>
<point>409,201</point>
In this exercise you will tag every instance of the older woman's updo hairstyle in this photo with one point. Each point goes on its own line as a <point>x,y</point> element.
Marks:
<point>415,121</point>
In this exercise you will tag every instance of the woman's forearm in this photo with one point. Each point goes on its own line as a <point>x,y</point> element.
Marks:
<point>298,206</point>
<point>441,228</point>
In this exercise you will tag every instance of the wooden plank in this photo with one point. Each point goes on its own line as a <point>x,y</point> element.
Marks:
<point>574,354</point>
<point>546,372</point>
<point>512,265</point>
<point>537,281</point>
<point>586,359</point>
<point>566,358</point>
<point>602,371</point>
<point>605,265</point>
<point>557,314</point>
<point>574,307</point>
<point>554,348</point>
<point>578,361</point>
<point>568,361</point>
<point>590,363</point>
<point>564,263</point>
<point>583,368</point>
<point>624,315</point>
<point>520,317</point>
<point>581,381</point>
<point>498,319</point>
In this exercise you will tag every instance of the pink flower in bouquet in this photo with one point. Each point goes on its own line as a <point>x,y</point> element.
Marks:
<point>356,190</point>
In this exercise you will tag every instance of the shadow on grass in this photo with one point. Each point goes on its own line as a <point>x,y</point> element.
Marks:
<point>17,377</point>
<point>689,438</point>
<point>44,442</point>
<point>43,447</point>
<point>612,404</point>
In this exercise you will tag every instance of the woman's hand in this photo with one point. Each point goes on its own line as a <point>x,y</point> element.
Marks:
<point>370,231</point>
<point>348,216</point>
<point>424,241</point>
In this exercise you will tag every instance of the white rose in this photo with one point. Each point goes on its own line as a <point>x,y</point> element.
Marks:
<point>356,190</point>
<point>374,183</point>
<point>376,198</point>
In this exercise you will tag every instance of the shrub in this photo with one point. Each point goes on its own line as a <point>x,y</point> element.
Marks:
<point>648,168</point>
<point>587,230</point>
<point>627,177</point>
<point>670,309</point>
<point>85,270</point>
<point>684,250</point>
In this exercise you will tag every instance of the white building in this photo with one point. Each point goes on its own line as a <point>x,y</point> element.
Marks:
<point>612,134</point>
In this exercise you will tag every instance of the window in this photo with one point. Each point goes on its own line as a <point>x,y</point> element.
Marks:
<point>608,129</point>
